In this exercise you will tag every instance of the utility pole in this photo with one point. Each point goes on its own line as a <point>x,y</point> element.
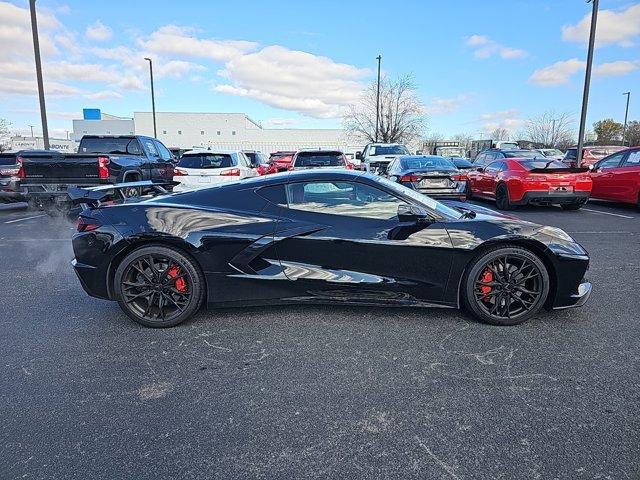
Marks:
<point>31,130</point>
<point>553,132</point>
<point>379,58</point>
<point>153,98</point>
<point>36,51</point>
<point>587,79</point>
<point>626,114</point>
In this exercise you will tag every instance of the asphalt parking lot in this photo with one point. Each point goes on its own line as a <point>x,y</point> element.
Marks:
<point>318,392</point>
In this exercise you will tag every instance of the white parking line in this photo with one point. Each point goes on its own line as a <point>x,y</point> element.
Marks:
<point>606,213</point>
<point>26,218</point>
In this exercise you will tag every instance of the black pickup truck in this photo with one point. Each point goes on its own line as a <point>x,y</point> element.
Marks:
<point>45,175</point>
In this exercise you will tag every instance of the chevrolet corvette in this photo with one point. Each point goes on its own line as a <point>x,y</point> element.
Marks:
<point>317,236</point>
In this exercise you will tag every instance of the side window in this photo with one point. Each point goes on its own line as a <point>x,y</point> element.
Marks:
<point>150,147</point>
<point>244,160</point>
<point>633,160</point>
<point>352,199</point>
<point>274,193</point>
<point>613,161</point>
<point>165,154</point>
<point>498,155</point>
<point>494,167</point>
<point>479,161</point>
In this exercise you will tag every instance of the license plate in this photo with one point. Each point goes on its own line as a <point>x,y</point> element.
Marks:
<point>435,182</point>
<point>204,179</point>
<point>561,189</point>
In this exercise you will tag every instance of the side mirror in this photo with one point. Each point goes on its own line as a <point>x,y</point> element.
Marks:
<point>479,169</point>
<point>358,155</point>
<point>412,213</point>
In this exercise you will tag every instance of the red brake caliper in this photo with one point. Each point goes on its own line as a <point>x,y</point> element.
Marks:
<point>487,276</point>
<point>180,284</point>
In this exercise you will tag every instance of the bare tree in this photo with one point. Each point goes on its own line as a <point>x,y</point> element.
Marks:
<point>464,139</point>
<point>550,129</point>
<point>401,118</point>
<point>4,134</point>
<point>500,134</point>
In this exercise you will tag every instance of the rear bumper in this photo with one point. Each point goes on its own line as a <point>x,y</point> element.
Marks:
<point>546,198</point>
<point>89,279</point>
<point>578,299</point>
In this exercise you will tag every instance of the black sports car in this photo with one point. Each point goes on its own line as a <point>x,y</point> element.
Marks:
<point>318,236</point>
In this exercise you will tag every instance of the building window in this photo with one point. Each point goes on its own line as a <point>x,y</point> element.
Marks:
<point>233,132</point>
<point>201,132</point>
<point>218,132</point>
<point>164,132</point>
<point>179,132</point>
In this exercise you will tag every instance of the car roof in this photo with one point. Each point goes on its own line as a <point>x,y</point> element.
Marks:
<point>200,151</point>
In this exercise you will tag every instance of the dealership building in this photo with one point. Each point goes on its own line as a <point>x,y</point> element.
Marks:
<point>234,131</point>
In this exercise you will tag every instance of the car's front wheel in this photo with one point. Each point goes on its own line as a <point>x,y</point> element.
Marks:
<point>505,285</point>
<point>159,286</point>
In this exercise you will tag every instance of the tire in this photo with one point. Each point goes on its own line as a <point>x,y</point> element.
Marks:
<point>572,206</point>
<point>135,276</point>
<point>484,291</point>
<point>502,198</point>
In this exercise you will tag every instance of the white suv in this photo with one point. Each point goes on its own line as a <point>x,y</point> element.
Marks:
<point>376,157</point>
<point>203,168</point>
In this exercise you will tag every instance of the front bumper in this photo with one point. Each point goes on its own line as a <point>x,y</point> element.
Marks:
<point>547,198</point>
<point>580,298</point>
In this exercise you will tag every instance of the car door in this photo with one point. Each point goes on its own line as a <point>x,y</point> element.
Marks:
<point>162,168</point>
<point>476,174</point>
<point>627,178</point>
<point>149,167</point>
<point>605,182</point>
<point>343,241</point>
<point>491,178</point>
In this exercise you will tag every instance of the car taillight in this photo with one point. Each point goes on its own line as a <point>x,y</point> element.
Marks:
<point>459,178</point>
<point>87,224</point>
<point>20,163</point>
<point>409,178</point>
<point>180,173</point>
<point>103,169</point>
<point>234,172</point>
<point>10,172</point>
<point>349,166</point>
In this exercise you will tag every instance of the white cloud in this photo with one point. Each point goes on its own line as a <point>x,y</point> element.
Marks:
<point>557,74</point>
<point>485,47</point>
<point>98,32</point>
<point>614,27</point>
<point>508,119</point>
<point>613,69</point>
<point>441,106</point>
<point>294,80</point>
<point>560,73</point>
<point>177,68</point>
<point>15,32</point>
<point>130,82</point>
<point>104,95</point>
<point>175,40</point>
<point>13,86</point>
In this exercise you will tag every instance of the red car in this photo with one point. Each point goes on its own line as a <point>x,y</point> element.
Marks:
<point>523,181</point>
<point>591,154</point>
<point>279,162</point>
<point>617,177</point>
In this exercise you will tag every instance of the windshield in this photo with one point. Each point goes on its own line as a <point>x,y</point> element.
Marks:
<point>419,198</point>
<point>450,151</point>
<point>531,164</point>
<point>388,150</point>
<point>551,152</point>
<point>462,163</point>
<point>522,154</point>
<point>110,145</point>
<point>508,144</point>
<point>205,160</point>
<point>320,159</point>
<point>427,163</point>
<point>8,159</point>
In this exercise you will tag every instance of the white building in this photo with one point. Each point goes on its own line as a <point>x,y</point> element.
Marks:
<point>97,123</point>
<point>233,131</point>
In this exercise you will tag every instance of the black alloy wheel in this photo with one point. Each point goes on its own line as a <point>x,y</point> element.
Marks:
<point>506,286</point>
<point>159,286</point>
<point>502,198</point>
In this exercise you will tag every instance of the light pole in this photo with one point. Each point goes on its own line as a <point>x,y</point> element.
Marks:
<point>36,51</point>
<point>587,79</point>
<point>153,98</point>
<point>31,130</point>
<point>379,58</point>
<point>626,114</point>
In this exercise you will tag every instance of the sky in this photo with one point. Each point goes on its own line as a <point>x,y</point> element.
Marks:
<point>477,65</point>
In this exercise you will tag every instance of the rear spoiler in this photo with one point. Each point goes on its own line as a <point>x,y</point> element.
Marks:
<point>559,170</point>
<point>90,197</point>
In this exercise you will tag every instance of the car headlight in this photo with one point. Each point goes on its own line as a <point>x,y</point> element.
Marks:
<point>556,233</point>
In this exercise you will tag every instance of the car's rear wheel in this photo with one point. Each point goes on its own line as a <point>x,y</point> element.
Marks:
<point>502,198</point>
<point>505,285</point>
<point>159,286</point>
